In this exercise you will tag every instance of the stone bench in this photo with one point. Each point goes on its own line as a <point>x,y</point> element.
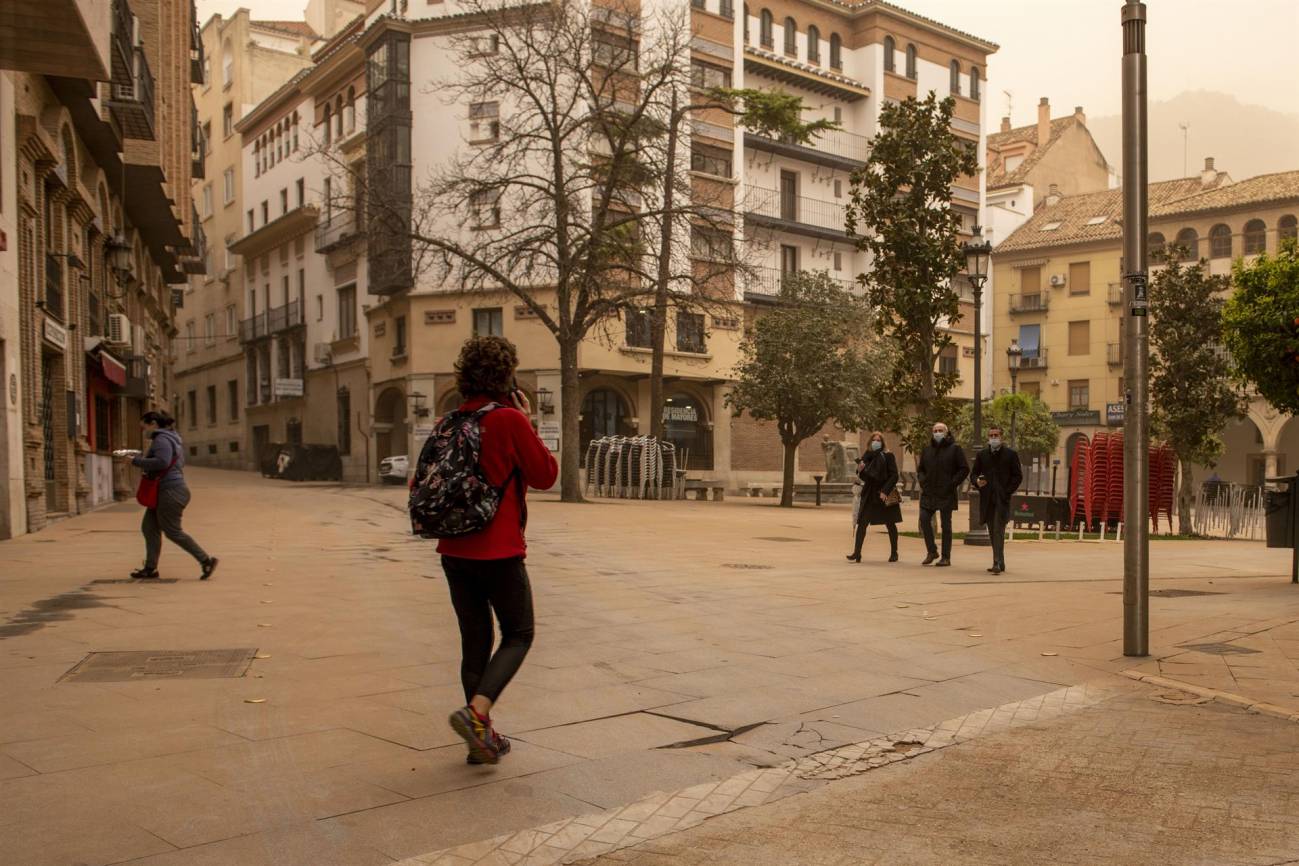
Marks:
<point>701,489</point>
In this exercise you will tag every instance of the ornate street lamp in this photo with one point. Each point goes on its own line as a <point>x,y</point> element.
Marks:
<point>1014,356</point>
<point>977,253</point>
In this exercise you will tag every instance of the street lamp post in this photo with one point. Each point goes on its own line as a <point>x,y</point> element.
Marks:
<point>1014,356</point>
<point>977,253</point>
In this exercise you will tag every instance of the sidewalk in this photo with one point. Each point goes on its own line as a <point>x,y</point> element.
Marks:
<point>679,644</point>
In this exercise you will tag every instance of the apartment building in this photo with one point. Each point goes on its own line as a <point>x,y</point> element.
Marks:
<point>1060,298</point>
<point>245,61</point>
<point>303,340</point>
<point>99,229</point>
<point>377,341</point>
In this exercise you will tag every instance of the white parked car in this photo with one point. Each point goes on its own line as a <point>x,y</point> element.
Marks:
<point>393,470</point>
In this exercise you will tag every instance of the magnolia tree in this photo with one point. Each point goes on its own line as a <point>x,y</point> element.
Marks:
<point>810,361</point>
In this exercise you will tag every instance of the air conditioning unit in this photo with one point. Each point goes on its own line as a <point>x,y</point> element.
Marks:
<point>323,354</point>
<point>119,329</point>
<point>1057,281</point>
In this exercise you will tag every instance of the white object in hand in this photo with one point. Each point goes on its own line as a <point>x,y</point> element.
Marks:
<point>126,452</point>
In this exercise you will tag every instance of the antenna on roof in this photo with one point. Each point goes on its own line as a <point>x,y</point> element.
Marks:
<point>1185,126</point>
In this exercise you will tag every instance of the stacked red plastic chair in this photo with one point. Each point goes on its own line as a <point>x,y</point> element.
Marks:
<point>1098,475</point>
<point>1114,483</point>
<point>1163,482</point>
<point>1078,482</point>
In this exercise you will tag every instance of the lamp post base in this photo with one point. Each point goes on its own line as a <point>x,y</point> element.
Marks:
<point>977,535</point>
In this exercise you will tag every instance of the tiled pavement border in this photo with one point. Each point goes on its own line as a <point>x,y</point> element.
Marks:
<point>593,835</point>
<point>1228,698</point>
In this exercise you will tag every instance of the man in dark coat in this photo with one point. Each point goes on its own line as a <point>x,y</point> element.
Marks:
<point>941,471</point>
<point>998,474</point>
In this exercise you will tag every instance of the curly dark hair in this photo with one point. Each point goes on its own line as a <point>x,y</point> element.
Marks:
<point>486,367</point>
<point>159,417</point>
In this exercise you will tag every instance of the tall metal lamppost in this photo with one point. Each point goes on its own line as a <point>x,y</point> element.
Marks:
<point>977,253</point>
<point>1014,357</point>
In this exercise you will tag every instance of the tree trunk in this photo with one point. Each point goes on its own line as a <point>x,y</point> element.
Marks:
<point>658,327</point>
<point>1185,498</point>
<point>787,489</point>
<point>570,451</point>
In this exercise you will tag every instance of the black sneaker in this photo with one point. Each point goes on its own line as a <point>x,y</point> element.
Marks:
<point>145,574</point>
<point>208,568</point>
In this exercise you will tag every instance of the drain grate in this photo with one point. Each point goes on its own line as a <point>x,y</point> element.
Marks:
<point>1219,649</point>
<point>747,566</point>
<point>125,667</point>
<point>778,538</point>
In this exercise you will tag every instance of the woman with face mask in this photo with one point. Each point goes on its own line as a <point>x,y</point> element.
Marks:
<point>880,502</point>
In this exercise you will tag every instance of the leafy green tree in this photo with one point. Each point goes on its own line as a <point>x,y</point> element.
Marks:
<point>1035,430</point>
<point>901,210</point>
<point>809,361</point>
<point>1261,326</point>
<point>1192,392</point>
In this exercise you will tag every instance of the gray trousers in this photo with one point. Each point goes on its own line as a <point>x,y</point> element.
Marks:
<point>165,520</point>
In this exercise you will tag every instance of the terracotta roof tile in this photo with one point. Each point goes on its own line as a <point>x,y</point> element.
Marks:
<point>997,177</point>
<point>1263,188</point>
<point>297,28</point>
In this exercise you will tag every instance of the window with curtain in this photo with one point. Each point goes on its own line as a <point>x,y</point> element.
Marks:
<point>1080,278</point>
<point>890,49</point>
<point>765,37</point>
<point>974,83</point>
<point>1030,340</point>
<point>836,51</point>
<point>1079,394</point>
<point>813,44</point>
<point>954,84</point>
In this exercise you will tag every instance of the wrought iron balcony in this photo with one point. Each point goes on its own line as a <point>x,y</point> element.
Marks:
<point>283,318</point>
<point>132,88</point>
<point>793,213</point>
<point>198,147</point>
<point>1116,294</point>
<point>255,327</point>
<point>196,59</point>
<point>1034,303</point>
<point>340,229</point>
<point>195,262</point>
<point>768,281</point>
<point>1114,354</point>
<point>834,147</point>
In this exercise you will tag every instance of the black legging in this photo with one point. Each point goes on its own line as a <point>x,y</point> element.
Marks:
<point>479,587</point>
<point>861,537</point>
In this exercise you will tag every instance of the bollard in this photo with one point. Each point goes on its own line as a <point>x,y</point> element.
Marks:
<point>1057,530</point>
<point>818,489</point>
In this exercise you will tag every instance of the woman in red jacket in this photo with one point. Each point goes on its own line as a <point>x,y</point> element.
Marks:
<point>485,571</point>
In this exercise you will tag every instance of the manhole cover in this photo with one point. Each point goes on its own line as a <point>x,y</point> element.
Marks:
<point>1219,649</point>
<point>122,667</point>
<point>1181,699</point>
<point>748,566</point>
<point>778,538</point>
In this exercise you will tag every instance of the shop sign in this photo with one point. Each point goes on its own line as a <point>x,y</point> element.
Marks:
<point>288,387</point>
<point>680,413</point>
<point>548,431</point>
<point>55,334</point>
<point>1077,417</point>
<point>1115,413</point>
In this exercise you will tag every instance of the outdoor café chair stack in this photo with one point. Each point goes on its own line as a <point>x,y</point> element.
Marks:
<point>1163,481</point>
<point>1097,478</point>
<point>1078,483</point>
<point>1114,481</point>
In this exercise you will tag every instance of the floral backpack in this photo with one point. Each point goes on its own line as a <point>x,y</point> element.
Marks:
<point>449,496</point>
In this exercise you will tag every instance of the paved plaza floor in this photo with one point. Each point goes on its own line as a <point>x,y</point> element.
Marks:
<point>679,645</point>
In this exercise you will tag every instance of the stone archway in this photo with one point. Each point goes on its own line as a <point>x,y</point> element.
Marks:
<point>606,411</point>
<point>390,425</point>
<point>687,424</point>
<point>1244,457</point>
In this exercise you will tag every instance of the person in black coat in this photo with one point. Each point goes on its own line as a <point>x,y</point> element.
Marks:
<point>878,471</point>
<point>941,471</point>
<point>998,474</point>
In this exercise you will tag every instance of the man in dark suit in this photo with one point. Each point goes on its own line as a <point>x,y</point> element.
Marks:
<point>997,474</point>
<point>941,470</point>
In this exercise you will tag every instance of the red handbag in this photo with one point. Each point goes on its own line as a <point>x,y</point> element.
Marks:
<point>147,493</point>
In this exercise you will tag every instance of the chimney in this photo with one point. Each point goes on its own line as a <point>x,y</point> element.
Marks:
<point>1053,196</point>
<point>1043,122</point>
<point>1210,174</point>
<point>1005,124</point>
<point>1079,116</point>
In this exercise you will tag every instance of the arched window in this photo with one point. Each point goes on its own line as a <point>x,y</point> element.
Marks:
<point>836,51</point>
<point>1287,229</point>
<point>1255,237</point>
<point>911,62</point>
<point>765,39</point>
<point>791,36</point>
<point>350,111</point>
<point>604,413</point>
<point>974,83</point>
<point>69,155</point>
<point>1219,242</point>
<point>955,83</point>
<point>257,159</point>
<point>329,126</point>
<point>227,63</point>
<point>1156,245</point>
<point>890,49</point>
<point>813,44</point>
<point>746,23</point>
<point>338,116</point>
<point>1189,242</point>
<point>686,425</point>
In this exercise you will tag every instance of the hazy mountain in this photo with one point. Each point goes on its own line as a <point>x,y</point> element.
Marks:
<point>1244,140</point>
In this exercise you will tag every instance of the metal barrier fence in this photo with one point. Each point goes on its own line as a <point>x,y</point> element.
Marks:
<point>1228,511</point>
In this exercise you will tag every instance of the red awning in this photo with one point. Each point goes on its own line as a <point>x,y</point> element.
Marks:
<point>114,370</point>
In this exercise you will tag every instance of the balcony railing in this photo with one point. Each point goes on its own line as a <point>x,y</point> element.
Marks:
<point>137,377</point>
<point>196,261</point>
<point>768,281</point>
<point>198,147</point>
<point>132,88</point>
<point>54,286</point>
<point>1035,361</point>
<point>283,318</point>
<point>836,142</point>
<point>338,230</point>
<point>1036,303</point>
<point>772,206</point>
<point>1116,294</point>
<point>1114,354</point>
<point>196,59</point>
<point>255,327</point>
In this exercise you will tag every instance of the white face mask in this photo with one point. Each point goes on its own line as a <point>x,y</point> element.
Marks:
<point>939,436</point>
<point>994,442</point>
<point>877,445</point>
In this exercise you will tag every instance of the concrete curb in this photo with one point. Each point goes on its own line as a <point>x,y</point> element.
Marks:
<point>1229,698</point>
